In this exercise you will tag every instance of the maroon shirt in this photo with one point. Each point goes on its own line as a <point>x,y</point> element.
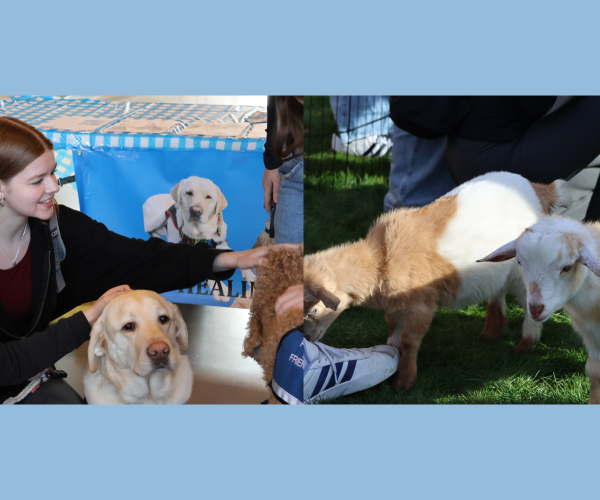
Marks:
<point>15,292</point>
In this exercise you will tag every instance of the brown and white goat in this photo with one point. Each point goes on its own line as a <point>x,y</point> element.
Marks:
<point>559,260</point>
<point>413,260</point>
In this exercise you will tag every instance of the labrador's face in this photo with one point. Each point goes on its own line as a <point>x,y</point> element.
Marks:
<point>199,200</point>
<point>139,331</point>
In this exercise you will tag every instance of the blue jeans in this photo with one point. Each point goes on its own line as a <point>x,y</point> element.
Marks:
<point>289,214</point>
<point>419,173</point>
<point>353,111</point>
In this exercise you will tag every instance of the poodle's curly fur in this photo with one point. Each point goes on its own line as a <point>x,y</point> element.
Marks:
<point>265,330</point>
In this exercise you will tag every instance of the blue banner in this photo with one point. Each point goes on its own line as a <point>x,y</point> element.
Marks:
<point>181,196</point>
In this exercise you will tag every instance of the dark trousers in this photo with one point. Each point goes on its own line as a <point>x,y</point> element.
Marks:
<point>556,146</point>
<point>53,392</point>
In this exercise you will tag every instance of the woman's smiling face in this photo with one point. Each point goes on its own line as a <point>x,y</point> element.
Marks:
<point>31,192</point>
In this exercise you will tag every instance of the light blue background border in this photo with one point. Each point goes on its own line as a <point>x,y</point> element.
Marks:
<point>313,47</point>
<point>405,452</point>
<point>425,47</point>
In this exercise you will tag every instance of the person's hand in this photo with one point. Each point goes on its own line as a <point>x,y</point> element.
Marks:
<point>271,181</point>
<point>94,312</point>
<point>292,297</point>
<point>248,258</point>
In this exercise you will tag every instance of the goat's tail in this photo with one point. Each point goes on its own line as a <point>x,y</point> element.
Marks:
<point>553,196</point>
<point>564,199</point>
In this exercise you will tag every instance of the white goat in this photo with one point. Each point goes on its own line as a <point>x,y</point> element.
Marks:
<point>414,259</point>
<point>561,269</point>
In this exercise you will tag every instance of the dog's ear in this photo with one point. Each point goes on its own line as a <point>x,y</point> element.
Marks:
<point>175,194</point>
<point>175,190</point>
<point>95,349</point>
<point>221,201</point>
<point>182,333</point>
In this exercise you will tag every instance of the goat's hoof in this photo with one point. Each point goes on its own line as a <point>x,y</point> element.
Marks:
<point>490,334</point>
<point>404,382</point>
<point>394,342</point>
<point>524,346</point>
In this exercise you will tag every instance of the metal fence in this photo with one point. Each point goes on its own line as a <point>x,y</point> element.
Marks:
<point>345,139</point>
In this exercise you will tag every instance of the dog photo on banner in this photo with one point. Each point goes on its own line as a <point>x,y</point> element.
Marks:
<point>179,185</point>
<point>190,214</point>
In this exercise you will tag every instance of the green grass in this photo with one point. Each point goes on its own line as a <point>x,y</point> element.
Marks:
<point>325,169</point>
<point>455,366</point>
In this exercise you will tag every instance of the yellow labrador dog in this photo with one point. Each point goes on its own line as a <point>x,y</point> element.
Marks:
<point>134,353</point>
<point>196,214</point>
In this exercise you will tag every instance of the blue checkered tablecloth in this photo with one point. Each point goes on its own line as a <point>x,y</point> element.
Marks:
<point>39,110</point>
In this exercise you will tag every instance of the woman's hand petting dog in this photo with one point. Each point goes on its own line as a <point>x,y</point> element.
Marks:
<point>292,297</point>
<point>94,312</point>
<point>247,259</point>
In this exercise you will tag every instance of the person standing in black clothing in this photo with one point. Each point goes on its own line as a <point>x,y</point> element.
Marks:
<point>542,138</point>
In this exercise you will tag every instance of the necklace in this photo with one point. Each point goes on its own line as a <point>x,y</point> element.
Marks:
<point>14,261</point>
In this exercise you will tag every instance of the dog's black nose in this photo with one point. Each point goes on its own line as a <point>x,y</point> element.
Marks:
<point>158,350</point>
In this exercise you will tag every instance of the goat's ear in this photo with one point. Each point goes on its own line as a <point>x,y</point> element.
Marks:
<point>588,258</point>
<point>310,292</point>
<point>505,252</point>
<point>328,298</point>
<point>314,293</point>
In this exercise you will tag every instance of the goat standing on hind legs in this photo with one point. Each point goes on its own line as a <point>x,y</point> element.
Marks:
<point>413,260</point>
<point>270,320</point>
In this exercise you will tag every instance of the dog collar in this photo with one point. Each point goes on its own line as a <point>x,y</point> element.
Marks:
<point>183,238</point>
<point>219,224</point>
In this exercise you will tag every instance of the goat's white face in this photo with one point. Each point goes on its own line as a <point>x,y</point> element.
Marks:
<point>555,257</point>
<point>552,270</point>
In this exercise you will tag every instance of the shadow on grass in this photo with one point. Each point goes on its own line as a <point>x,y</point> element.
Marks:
<point>457,366</point>
<point>340,216</point>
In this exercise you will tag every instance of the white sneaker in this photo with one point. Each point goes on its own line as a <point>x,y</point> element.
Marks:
<point>373,145</point>
<point>355,369</point>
